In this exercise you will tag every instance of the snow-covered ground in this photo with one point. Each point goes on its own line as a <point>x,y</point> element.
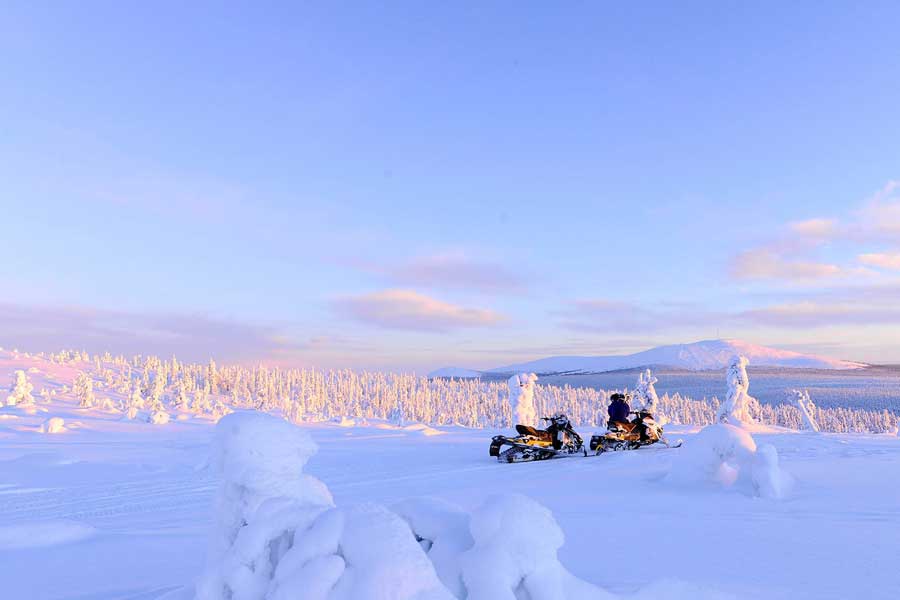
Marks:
<point>116,510</point>
<point>107,508</point>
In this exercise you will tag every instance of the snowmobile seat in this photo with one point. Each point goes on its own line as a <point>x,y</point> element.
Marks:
<point>529,430</point>
<point>624,425</point>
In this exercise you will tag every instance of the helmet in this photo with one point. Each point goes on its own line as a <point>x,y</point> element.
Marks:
<point>617,396</point>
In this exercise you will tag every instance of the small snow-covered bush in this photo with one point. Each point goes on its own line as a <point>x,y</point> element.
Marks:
<point>84,390</point>
<point>383,560</point>
<point>727,455</point>
<point>521,398</point>
<point>158,417</point>
<point>20,390</point>
<point>53,425</point>
<point>515,554</point>
<point>442,529</point>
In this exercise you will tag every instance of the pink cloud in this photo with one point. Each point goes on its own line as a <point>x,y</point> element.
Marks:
<point>881,260</point>
<point>767,264</point>
<point>410,310</point>
<point>815,228</point>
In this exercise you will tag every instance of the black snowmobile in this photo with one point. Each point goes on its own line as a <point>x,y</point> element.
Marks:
<point>558,440</point>
<point>642,431</point>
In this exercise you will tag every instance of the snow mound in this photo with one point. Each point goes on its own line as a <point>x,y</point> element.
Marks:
<point>383,560</point>
<point>728,456</point>
<point>515,554</point>
<point>442,530</point>
<point>41,534</point>
<point>53,425</point>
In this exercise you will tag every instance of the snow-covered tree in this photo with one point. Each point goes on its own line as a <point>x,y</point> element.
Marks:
<point>521,398</point>
<point>20,390</point>
<point>397,415</point>
<point>84,390</point>
<point>804,404</point>
<point>645,397</point>
<point>737,406</point>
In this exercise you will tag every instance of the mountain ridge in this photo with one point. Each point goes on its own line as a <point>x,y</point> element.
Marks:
<point>697,356</point>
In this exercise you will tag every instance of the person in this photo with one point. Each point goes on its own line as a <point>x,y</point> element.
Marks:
<point>618,409</point>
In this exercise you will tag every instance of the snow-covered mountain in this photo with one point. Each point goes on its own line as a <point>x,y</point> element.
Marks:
<point>699,356</point>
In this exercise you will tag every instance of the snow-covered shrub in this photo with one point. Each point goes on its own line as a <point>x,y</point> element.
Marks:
<point>136,400</point>
<point>803,403</point>
<point>53,425</point>
<point>278,537</point>
<point>158,417</point>
<point>521,398</point>
<point>20,390</point>
<point>84,390</point>
<point>506,549</point>
<point>515,555</point>
<point>383,560</point>
<point>442,529</point>
<point>736,410</point>
<point>262,501</point>
<point>727,455</point>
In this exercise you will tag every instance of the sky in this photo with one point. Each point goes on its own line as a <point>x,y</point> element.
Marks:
<point>411,185</point>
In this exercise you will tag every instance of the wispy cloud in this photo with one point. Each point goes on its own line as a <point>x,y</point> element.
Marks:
<point>890,260</point>
<point>611,316</point>
<point>822,314</point>
<point>764,263</point>
<point>455,270</point>
<point>410,310</point>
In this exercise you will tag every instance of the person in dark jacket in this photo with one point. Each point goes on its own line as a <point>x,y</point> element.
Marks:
<point>618,409</point>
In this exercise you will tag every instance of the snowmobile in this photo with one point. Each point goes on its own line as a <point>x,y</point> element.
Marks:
<point>641,432</point>
<point>557,441</point>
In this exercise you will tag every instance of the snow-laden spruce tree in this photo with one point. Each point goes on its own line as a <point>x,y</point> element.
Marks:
<point>521,398</point>
<point>84,390</point>
<point>20,390</point>
<point>397,415</point>
<point>804,404</point>
<point>736,409</point>
<point>645,398</point>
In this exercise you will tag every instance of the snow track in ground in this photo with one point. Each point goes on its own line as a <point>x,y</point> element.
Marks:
<point>99,501</point>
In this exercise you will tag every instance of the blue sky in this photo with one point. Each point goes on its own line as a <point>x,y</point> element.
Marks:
<point>414,185</point>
